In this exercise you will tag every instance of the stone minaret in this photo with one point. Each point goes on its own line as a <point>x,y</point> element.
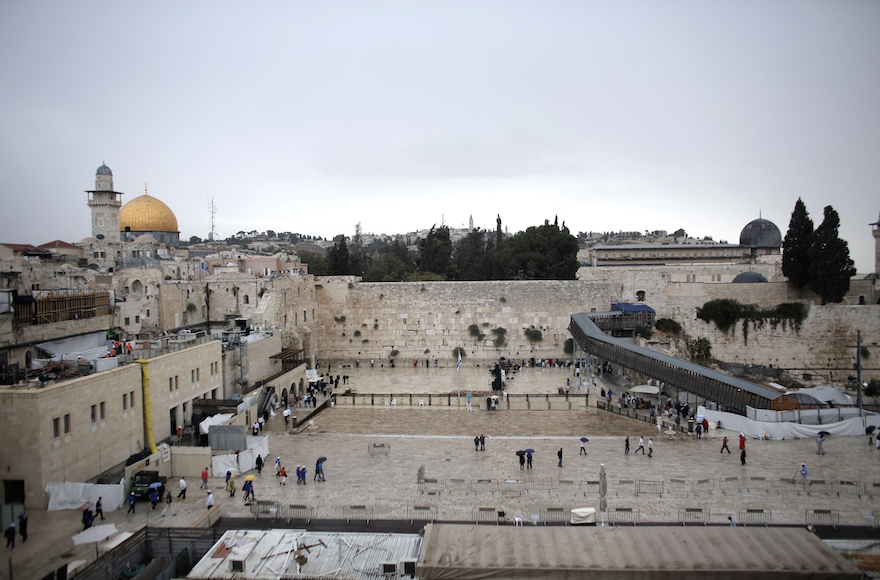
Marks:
<point>471,223</point>
<point>875,229</point>
<point>105,204</point>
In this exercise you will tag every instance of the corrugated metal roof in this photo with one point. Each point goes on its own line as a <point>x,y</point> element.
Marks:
<point>270,554</point>
<point>469,551</point>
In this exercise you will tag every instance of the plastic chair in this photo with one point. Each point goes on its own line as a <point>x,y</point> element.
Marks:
<point>421,402</point>
<point>387,404</point>
<point>517,519</point>
<point>393,402</point>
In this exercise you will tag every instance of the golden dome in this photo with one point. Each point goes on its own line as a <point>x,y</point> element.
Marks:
<point>147,214</point>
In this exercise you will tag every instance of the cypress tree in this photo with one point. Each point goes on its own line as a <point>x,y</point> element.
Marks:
<point>796,246</point>
<point>830,265</point>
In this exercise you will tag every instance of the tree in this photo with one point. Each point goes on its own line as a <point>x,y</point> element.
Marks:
<point>830,265</point>
<point>540,253</point>
<point>796,246</point>
<point>316,262</point>
<point>436,253</point>
<point>470,256</point>
<point>338,259</point>
<point>195,240</point>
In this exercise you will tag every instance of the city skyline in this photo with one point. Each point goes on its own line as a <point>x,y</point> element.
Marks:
<point>311,118</point>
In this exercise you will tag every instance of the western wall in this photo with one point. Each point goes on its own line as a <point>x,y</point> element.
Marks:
<point>429,319</point>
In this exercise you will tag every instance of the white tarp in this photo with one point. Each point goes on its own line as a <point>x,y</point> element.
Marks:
<point>585,515</point>
<point>218,419</point>
<point>645,390</point>
<point>246,403</point>
<point>88,346</point>
<point>778,431</point>
<point>828,394</point>
<point>72,496</point>
<point>106,364</point>
<point>243,461</point>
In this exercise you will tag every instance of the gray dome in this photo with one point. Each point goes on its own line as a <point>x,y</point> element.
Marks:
<point>760,233</point>
<point>749,278</point>
<point>104,170</point>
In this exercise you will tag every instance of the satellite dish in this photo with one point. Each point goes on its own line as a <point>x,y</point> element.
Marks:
<point>100,236</point>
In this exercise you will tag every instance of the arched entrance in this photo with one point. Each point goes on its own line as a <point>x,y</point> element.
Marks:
<point>301,388</point>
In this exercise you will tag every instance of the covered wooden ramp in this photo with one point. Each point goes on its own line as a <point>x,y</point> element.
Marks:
<point>731,394</point>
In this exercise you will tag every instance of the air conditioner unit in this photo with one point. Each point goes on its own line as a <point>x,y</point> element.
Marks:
<point>408,568</point>
<point>236,565</point>
<point>388,568</point>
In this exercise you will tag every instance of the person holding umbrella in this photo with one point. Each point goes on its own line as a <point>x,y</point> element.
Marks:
<point>522,460</point>
<point>319,469</point>
<point>583,449</point>
<point>820,441</point>
<point>529,458</point>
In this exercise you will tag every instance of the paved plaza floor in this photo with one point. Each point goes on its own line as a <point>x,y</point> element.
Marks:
<point>440,438</point>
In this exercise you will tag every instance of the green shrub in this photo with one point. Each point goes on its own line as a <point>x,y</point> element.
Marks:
<point>668,326</point>
<point>357,332</point>
<point>339,319</point>
<point>500,337</point>
<point>644,332</point>
<point>458,351</point>
<point>873,388</point>
<point>394,353</point>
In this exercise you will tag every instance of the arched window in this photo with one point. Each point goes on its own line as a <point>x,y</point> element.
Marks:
<point>137,286</point>
<point>28,357</point>
<point>247,299</point>
<point>640,295</point>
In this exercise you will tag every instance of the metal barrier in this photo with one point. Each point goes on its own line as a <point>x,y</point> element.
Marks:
<point>822,517</point>
<point>486,514</point>
<point>643,487</point>
<point>589,487</point>
<point>265,509</point>
<point>754,517</point>
<point>694,516</point>
<point>757,484</point>
<point>538,485</point>
<point>379,449</point>
<point>510,486</point>
<point>555,514</point>
<point>431,485</point>
<point>852,488</point>
<point>678,486</point>
<point>703,485</point>
<point>873,489</point>
<point>623,515</point>
<point>566,486</point>
<point>730,483</point>
<point>421,513</point>
<point>625,486</point>
<point>457,485</point>
<point>301,512</point>
<point>357,512</point>
<point>819,486</point>
<point>483,486</point>
<point>788,485</point>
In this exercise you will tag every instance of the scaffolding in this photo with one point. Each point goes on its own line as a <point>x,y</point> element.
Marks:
<point>61,306</point>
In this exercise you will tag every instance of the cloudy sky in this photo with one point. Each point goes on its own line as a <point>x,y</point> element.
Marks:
<point>312,116</point>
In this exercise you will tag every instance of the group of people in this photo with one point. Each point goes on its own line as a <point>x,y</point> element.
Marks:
<point>301,470</point>
<point>118,348</point>
<point>10,531</point>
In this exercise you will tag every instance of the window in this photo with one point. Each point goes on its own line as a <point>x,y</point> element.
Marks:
<point>640,296</point>
<point>193,376</point>
<point>198,372</point>
<point>247,300</point>
<point>126,322</point>
<point>101,409</point>
<point>67,424</point>
<point>94,413</point>
<point>170,384</point>
<point>124,401</point>
<point>148,313</point>
<point>176,383</point>
<point>213,393</point>
<point>131,399</point>
<point>56,427</point>
<point>137,319</point>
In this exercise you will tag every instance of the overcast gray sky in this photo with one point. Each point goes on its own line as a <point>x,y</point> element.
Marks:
<point>312,116</point>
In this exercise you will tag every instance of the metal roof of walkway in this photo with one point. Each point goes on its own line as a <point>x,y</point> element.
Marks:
<point>731,393</point>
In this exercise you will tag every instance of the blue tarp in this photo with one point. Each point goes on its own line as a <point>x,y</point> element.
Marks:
<point>626,307</point>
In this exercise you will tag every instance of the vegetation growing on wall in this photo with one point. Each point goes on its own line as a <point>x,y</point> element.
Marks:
<point>394,353</point>
<point>568,347</point>
<point>476,333</point>
<point>339,319</point>
<point>533,334</point>
<point>726,312</point>
<point>458,352</point>
<point>644,332</point>
<point>668,326</point>
<point>500,337</point>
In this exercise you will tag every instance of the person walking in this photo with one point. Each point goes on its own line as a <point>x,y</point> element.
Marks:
<point>803,473</point>
<point>99,508</point>
<point>477,443</point>
<point>22,527</point>
<point>228,477</point>
<point>742,440</point>
<point>706,426</point>
<point>641,446</point>
<point>650,447</point>
<point>626,446</point>
<point>259,464</point>
<point>699,430</point>
<point>742,455</point>
<point>231,485</point>
<point>583,450</point>
<point>10,537</point>
<point>154,499</point>
<point>182,484</point>
<point>559,455</point>
<point>319,472</point>
<point>528,460</point>
<point>130,504</point>
<point>204,479</point>
<point>724,445</point>
<point>168,504</point>
<point>820,441</point>
<point>482,442</point>
<point>283,475</point>
<point>468,399</point>
<point>210,502</point>
<point>522,461</point>
<point>278,465</point>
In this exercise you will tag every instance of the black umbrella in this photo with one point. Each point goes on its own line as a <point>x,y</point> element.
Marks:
<point>870,429</point>
<point>322,459</point>
<point>824,433</point>
<point>520,453</point>
<point>584,439</point>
